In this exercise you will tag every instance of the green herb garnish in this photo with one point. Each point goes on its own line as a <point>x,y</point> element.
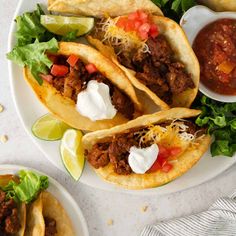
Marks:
<point>220,118</point>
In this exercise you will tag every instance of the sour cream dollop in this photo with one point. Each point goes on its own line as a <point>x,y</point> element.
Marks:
<point>141,159</point>
<point>95,102</point>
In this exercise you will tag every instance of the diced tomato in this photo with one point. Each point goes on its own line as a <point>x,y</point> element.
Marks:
<point>130,26</point>
<point>166,168</point>
<point>133,16</point>
<point>121,23</point>
<point>91,68</point>
<point>163,152</point>
<point>174,151</point>
<point>153,31</point>
<point>143,31</point>
<point>161,160</point>
<point>72,60</point>
<point>47,78</point>
<point>59,70</point>
<point>137,24</point>
<point>155,167</point>
<point>143,16</point>
<point>144,28</point>
<point>52,58</point>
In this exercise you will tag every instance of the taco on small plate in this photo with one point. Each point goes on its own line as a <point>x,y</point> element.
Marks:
<point>85,89</point>
<point>46,216</point>
<point>154,53</point>
<point>149,151</point>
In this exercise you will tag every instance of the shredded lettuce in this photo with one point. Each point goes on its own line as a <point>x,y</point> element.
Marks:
<point>33,55</point>
<point>28,188</point>
<point>220,120</point>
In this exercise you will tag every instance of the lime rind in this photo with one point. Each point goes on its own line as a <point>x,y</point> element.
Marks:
<point>48,128</point>
<point>61,25</point>
<point>73,160</point>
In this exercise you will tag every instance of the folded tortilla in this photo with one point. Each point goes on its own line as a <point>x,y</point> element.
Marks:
<point>46,205</point>
<point>148,180</point>
<point>103,7</point>
<point>220,5</point>
<point>183,52</point>
<point>64,108</point>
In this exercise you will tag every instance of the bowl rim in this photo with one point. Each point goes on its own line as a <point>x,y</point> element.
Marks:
<point>209,16</point>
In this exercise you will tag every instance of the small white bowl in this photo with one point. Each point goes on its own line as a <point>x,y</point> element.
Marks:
<point>192,22</point>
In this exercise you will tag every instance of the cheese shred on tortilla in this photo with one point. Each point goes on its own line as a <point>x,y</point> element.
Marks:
<point>174,134</point>
<point>117,37</point>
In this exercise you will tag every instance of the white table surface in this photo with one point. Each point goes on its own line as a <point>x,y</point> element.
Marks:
<point>98,206</point>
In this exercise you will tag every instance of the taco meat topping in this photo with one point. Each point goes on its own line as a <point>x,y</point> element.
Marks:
<point>9,221</point>
<point>116,150</point>
<point>77,78</point>
<point>159,70</point>
<point>50,226</point>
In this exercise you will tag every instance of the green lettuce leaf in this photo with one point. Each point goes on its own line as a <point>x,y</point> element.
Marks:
<point>30,185</point>
<point>174,9</point>
<point>29,28</point>
<point>220,120</point>
<point>33,56</point>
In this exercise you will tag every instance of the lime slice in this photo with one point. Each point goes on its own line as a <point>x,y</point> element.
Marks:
<point>72,152</point>
<point>62,25</point>
<point>49,128</point>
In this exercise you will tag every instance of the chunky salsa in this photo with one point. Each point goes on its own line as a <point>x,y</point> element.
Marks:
<point>215,47</point>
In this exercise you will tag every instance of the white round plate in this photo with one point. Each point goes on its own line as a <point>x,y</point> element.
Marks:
<point>30,109</point>
<point>62,196</point>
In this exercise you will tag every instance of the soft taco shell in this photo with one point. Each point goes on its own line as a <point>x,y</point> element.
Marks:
<point>64,108</point>
<point>22,217</point>
<point>183,51</point>
<point>35,222</point>
<point>137,181</point>
<point>220,5</point>
<point>46,205</point>
<point>103,7</point>
<point>53,209</point>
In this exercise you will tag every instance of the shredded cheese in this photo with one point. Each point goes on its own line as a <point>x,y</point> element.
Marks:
<point>122,40</point>
<point>174,134</point>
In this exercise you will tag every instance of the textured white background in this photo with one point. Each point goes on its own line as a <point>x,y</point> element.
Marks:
<point>98,206</point>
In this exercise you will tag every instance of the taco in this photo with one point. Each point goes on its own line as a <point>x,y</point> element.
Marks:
<point>85,89</point>
<point>46,216</point>
<point>12,213</point>
<point>103,7</point>
<point>154,53</point>
<point>149,151</point>
<point>220,5</point>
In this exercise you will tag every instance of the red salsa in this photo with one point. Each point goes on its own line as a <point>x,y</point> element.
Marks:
<point>215,47</point>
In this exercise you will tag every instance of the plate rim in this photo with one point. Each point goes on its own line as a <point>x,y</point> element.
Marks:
<point>112,188</point>
<point>57,185</point>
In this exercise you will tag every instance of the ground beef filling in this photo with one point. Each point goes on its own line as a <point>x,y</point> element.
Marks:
<point>9,221</point>
<point>116,150</point>
<point>77,79</point>
<point>159,70</point>
<point>50,226</point>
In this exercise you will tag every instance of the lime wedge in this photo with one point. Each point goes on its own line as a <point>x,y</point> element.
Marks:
<point>62,25</point>
<point>49,128</point>
<point>72,152</point>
